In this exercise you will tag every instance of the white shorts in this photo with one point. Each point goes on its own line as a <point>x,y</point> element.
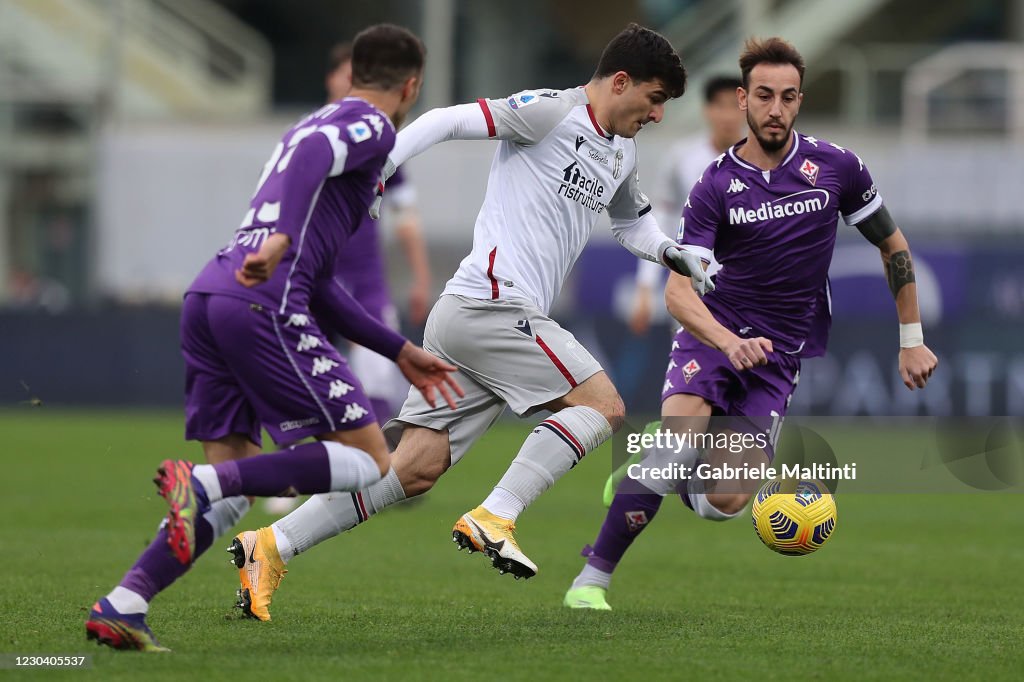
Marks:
<point>507,352</point>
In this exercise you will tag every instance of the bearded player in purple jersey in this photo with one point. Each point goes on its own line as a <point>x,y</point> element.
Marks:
<point>767,210</point>
<point>253,351</point>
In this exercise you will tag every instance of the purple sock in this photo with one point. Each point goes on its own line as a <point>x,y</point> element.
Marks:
<point>302,469</point>
<point>157,568</point>
<point>381,408</point>
<point>629,514</point>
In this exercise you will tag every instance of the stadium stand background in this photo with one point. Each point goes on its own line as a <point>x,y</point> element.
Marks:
<point>132,132</point>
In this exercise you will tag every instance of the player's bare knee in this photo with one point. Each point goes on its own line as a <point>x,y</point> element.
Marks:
<point>728,503</point>
<point>614,410</point>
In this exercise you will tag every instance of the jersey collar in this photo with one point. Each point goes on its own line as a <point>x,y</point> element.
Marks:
<point>792,152</point>
<point>374,107</point>
<point>597,126</point>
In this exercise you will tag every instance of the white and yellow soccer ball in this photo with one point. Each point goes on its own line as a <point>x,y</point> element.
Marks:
<point>794,517</point>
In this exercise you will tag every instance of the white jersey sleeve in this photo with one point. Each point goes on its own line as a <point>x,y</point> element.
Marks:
<point>629,203</point>
<point>633,224</point>
<point>526,117</point>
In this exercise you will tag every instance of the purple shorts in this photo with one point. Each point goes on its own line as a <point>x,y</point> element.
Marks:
<point>248,367</point>
<point>760,395</point>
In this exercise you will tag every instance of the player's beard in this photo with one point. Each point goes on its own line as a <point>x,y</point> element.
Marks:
<point>768,144</point>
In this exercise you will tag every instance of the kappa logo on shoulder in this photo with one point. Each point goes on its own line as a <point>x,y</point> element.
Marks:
<point>735,187</point>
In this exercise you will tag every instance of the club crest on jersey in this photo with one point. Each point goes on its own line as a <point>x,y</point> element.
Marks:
<point>617,167</point>
<point>810,171</point>
<point>636,520</point>
<point>523,99</point>
<point>690,370</point>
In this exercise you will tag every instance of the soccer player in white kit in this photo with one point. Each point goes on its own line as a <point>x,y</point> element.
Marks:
<point>565,158</point>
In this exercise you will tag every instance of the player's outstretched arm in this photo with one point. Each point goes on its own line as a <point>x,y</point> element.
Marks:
<point>333,306</point>
<point>917,362</point>
<point>336,308</point>
<point>684,305</point>
<point>460,122</point>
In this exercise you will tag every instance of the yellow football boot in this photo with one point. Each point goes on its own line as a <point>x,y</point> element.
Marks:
<point>260,570</point>
<point>481,531</point>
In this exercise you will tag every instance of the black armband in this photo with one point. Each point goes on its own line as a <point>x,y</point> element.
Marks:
<point>877,227</point>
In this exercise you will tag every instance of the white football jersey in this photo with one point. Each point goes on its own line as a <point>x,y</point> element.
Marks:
<point>554,174</point>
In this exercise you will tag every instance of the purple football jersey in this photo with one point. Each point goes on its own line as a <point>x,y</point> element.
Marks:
<point>361,265</point>
<point>317,188</point>
<point>774,232</point>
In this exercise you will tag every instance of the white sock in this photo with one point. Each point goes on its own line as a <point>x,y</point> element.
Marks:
<point>504,504</point>
<point>284,545</point>
<point>224,514</point>
<point>324,516</point>
<point>556,445</point>
<point>207,476</point>
<point>662,458</point>
<point>351,468</point>
<point>591,576</point>
<point>701,506</point>
<point>126,601</point>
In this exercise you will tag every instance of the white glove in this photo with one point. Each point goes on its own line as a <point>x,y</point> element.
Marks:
<point>385,173</point>
<point>688,265</point>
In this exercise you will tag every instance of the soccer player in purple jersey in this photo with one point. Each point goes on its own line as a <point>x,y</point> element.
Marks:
<point>362,270</point>
<point>767,210</point>
<point>255,356</point>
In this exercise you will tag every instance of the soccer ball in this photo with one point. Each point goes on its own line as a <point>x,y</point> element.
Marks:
<point>794,517</point>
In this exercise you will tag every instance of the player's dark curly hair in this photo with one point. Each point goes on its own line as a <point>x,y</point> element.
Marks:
<point>646,56</point>
<point>384,56</point>
<point>769,51</point>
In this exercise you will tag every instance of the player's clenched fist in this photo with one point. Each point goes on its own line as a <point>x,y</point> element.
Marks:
<point>748,353</point>
<point>917,365</point>
<point>259,267</point>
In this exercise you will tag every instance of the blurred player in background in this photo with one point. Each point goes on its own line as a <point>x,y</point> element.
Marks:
<point>362,271</point>
<point>254,354</point>
<point>565,158</point>
<point>767,209</point>
<point>683,164</point>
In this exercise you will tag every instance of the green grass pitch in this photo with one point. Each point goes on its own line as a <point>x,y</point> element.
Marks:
<point>910,587</point>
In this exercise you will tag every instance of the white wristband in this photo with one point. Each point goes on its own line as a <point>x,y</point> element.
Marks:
<point>911,335</point>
